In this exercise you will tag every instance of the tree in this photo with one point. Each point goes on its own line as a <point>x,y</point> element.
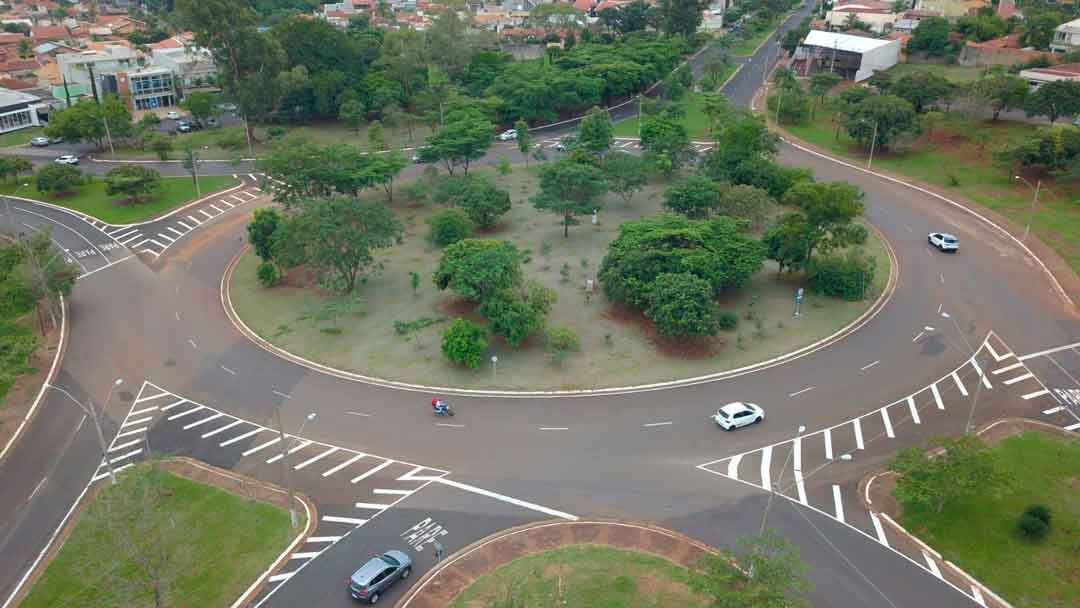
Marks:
<point>820,85</point>
<point>764,572</point>
<point>739,136</point>
<point>376,137</point>
<point>666,142</point>
<point>264,223</point>
<point>964,466</point>
<point>596,132</point>
<point>570,189</point>
<point>746,203</point>
<point>930,120</point>
<point>483,202</point>
<point>887,116</point>
<point>680,305</point>
<point>135,181</point>
<point>1054,99</point>
<point>351,112</point>
<point>510,316</point>
<point>336,237</point>
<point>160,144</point>
<point>448,227</point>
<point>628,18</point>
<point>383,168</point>
<point>769,176</point>
<point>789,104</point>
<point>302,170</point>
<point>463,342</point>
<point>931,36</point>
<point>201,105</point>
<point>921,88</point>
<point>788,243</point>
<point>561,341</point>
<point>830,208</point>
<point>695,196</point>
<point>1038,27</point>
<point>524,139</point>
<point>1052,148</point>
<point>999,92</point>
<point>625,175</point>
<point>477,268</point>
<point>680,17</point>
<point>465,137</point>
<point>58,178</point>
<point>12,166</point>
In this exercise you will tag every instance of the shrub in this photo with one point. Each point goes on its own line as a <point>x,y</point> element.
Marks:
<point>727,320</point>
<point>1040,512</point>
<point>448,227</point>
<point>842,276</point>
<point>680,304</point>
<point>58,178</point>
<point>275,132</point>
<point>231,140</point>
<point>463,342</point>
<point>268,274</point>
<point>561,341</point>
<point>1032,528</point>
<point>504,166</point>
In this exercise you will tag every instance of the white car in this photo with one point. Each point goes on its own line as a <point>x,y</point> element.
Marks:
<point>738,414</point>
<point>67,159</point>
<point>172,115</point>
<point>39,142</point>
<point>943,241</point>
<point>507,135</point>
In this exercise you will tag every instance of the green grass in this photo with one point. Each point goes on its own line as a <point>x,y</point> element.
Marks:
<point>979,533</point>
<point>586,575</point>
<point>695,121</point>
<point>749,45</point>
<point>230,541</point>
<point>92,200</point>
<point>20,137</point>
<point>617,348</point>
<point>954,73</point>
<point>953,164</point>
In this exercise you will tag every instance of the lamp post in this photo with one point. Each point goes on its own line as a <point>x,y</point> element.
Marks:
<point>873,141</point>
<point>1034,202</point>
<point>768,504</point>
<point>92,413</point>
<point>971,354</point>
<point>285,460</point>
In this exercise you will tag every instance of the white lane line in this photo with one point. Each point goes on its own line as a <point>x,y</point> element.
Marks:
<point>227,203</point>
<point>932,565</point>
<point>132,432</point>
<point>203,421</point>
<point>914,411</point>
<point>153,253</point>
<point>280,577</point>
<point>204,212</point>
<point>249,195</point>
<point>977,596</point>
<point>371,472</point>
<point>136,421</point>
<point>124,445</point>
<point>261,446</point>
<point>1007,368</point>
<point>314,459</point>
<point>919,335</point>
<point>766,460</point>
<point>1049,351</point>
<point>139,244</point>
<point>192,343</point>
<point>453,426</point>
<point>888,423</point>
<point>374,506</point>
<point>174,404</point>
<point>554,428</point>
<point>857,424</point>
<point>733,467</point>
<point>393,492</point>
<point>879,529</point>
<point>182,414</point>
<point>192,218</point>
<point>358,414</point>
<point>937,396</point>
<point>36,488</point>
<point>241,437</point>
<point>228,371</point>
<point>150,398</point>
<point>280,394</point>
<point>979,371</point>
<point>234,197</point>
<point>334,519</point>
<point>869,365</point>
<point>797,456</point>
<point>837,503</point>
<point>323,539</point>
<point>828,444</point>
<point>174,231</point>
<point>167,238</point>
<point>126,456</point>
<point>1012,381</point>
<point>507,499</point>
<point>1053,410</point>
<point>652,424</point>
<point>177,315</point>
<point>1035,394</point>
<point>216,208</point>
<point>997,357</point>
<point>337,468</point>
<point>186,227</point>
<point>101,476</point>
<point>126,235</point>
<point>1073,427</point>
<point>959,384</point>
<point>134,236</point>
<point>805,390</point>
<point>305,555</point>
<point>224,428</point>
<point>292,450</point>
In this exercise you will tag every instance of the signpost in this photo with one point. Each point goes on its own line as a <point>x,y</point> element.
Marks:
<point>798,302</point>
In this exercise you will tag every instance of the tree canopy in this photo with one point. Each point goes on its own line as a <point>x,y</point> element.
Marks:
<point>477,268</point>
<point>135,181</point>
<point>570,189</point>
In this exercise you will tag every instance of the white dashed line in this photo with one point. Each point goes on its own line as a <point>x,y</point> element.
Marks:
<point>869,365</point>
<point>879,529</point>
<point>937,396</point>
<point>371,472</point>
<point>733,466</point>
<point>837,503</point>
<point>1035,394</point>
<point>554,428</point>
<point>192,343</point>
<point>260,447</point>
<point>374,506</point>
<point>805,390</point>
<point>959,384</point>
<point>888,423</point>
<point>652,424</point>
<point>337,468</point>
<point>858,434</point>
<point>224,428</point>
<point>344,520</point>
<point>292,450</point>
<point>282,395</point>
<point>358,414</point>
<point>314,459</point>
<point>1012,381</point>
<point>914,411</point>
<point>241,437</point>
<point>766,461</point>
<point>828,444</point>
<point>228,371</point>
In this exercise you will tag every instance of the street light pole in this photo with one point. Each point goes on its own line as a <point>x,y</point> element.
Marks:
<point>285,462</point>
<point>1034,203</point>
<point>92,413</point>
<point>873,140</point>
<point>979,381</point>
<point>768,504</point>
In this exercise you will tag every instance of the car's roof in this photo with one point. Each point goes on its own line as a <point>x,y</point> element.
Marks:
<point>735,407</point>
<point>943,234</point>
<point>366,572</point>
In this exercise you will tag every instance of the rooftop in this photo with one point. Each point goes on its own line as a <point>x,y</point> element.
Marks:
<point>1062,70</point>
<point>843,42</point>
<point>1073,27</point>
<point>10,98</point>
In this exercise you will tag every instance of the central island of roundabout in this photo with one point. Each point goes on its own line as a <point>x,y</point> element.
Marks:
<point>554,308</point>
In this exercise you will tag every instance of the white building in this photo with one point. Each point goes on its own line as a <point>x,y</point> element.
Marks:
<point>852,57</point>
<point>76,68</point>
<point>1066,37</point>
<point>18,110</point>
<point>192,66</point>
<point>1036,77</point>
<point>879,16</point>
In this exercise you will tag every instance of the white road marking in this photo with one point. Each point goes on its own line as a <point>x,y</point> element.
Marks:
<point>228,371</point>
<point>504,498</point>
<point>337,468</point>
<point>233,196</point>
<point>1007,368</point>
<point>1035,394</point>
<point>101,476</point>
<point>1012,381</point>
<point>224,428</point>
<point>344,520</point>
<point>1073,427</point>
<point>315,459</point>
<point>241,437</point>
<point>127,234</point>
<point>766,460</point>
<point>292,450</point>
<point>828,444</point>
<point>252,176</point>
<point>837,503</point>
<point>177,315</point>
<point>797,456</point>
<point>979,371</point>
<point>1049,351</point>
<point>175,231</point>
<point>977,596</point>
<point>453,426</point>
<point>282,395</point>
<point>932,565</point>
<point>136,421</point>
<point>371,472</point>
<point>197,222</point>
<point>888,423</point>
<point>869,365</point>
<point>323,539</point>
<point>174,404</point>
<point>305,555</point>
<point>126,456</point>
<point>937,396</point>
<point>959,384</point>
<point>203,421</point>
<point>186,227</point>
<point>150,398</point>
<point>358,414</point>
<point>182,414</point>
<point>167,238</point>
<point>916,338</point>
<point>208,216</point>
<point>131,432</point>
<point>135,234</point>
<point>733,466</point>
<point>374,506</point>
<point>805,390</point>
<point>914,411</point>
<point>554,428</point>
<point>36,488</point>
<point>879,529</point>
<point>1053,410</point>
<point>216,208</point>
<point>124,445</point>
<point>261,446</point>
<point>857,424</point>
<point>652,424</point>
<point>226,203</point>
<point>280,577</point>
<point>393,492</point>
<point>192,343</point>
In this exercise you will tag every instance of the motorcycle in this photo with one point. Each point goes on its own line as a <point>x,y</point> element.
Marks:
<point>443,409</point>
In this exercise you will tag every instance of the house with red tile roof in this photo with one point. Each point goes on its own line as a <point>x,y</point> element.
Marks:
<point>49,33</point>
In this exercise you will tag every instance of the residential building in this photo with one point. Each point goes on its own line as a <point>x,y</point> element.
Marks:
<point>1037,77</point>
<point>193,66</point>
<point>49,33</point>
<point>953,8</point>
<point>879,16</point>
<point>851,57</point>
<point>1066,37</point>
<point>97,69</point>
<point>18,110</point>
<point>1005,50</point>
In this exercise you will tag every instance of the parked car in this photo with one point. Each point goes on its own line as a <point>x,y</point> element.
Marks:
<point>183,127</point>
<point>372,579</point>
<point>39,142</point>
<point>172,115</point>
<point>509,135</point>
<point>228,107</point>
<point>67,159</point>
<point>56,140</point>
<point>943,241</point>
<point>738,414</point>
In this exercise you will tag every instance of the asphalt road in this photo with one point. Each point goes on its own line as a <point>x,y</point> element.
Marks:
<point>193,385</point>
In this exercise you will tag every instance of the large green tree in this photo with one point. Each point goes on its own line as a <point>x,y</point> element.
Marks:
<point>830,209</point>
<point>765,571</point>
<point>695,196</point>
<point>666,142</point>
<point>483,202</point>
<point>135,181</point>
<point>921,88</point>
<point>201,105</point>
<point>596,132</point>
<point>999,92</point>
<point>681,305</point>
<point>746,203</point>
<point>302,169</point>
<point>463,138</point>
<point>1054,99</point>
<point>961,466</point>
<point>264,222</point>
<point>682,17</point>
<point>569,189</point>
<point>931,36</point>
<point>477,268</point>
<point>58,178</point>
<point>625,174</point>
<point>881,118</point>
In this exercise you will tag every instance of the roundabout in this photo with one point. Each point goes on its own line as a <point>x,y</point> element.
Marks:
<point>381,469</point>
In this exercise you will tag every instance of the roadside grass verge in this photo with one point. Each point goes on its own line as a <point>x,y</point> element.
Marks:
<point>980,535</point>
<point>92,200</point>
<point>954,73</point>
<point>219,543</point>
<point>20,137</point>
<point>585,575</point>
<point>952,162</point>
<point>695,121</point>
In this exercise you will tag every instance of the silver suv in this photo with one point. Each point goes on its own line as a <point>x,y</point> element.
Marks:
<point>376,576</point>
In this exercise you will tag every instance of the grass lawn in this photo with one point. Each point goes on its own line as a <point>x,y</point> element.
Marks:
<point>979,534</point>
<point>226,542</point>
<point>586,575</point>
<point>955,73</point>
<point>952,162</point>
<point>20,137</point>
<point>749,45</point>
<point>92,200</point>
<point>695,121</point>
<point>619,347</point>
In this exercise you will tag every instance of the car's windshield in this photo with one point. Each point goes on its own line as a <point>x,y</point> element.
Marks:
<point>390,560</point>
<point>950,239</point>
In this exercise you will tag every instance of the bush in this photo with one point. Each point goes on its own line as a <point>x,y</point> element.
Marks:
<point>727,320</point>
<point>58,178</point>
<point>268,274</point>
<point>1039,512</point>
<point>275,132</point>
<point>848,277</point>
<point>231,140</point>
<point>680,304</point>
<point>463,342</point>
<point>448,227</point>
<point>1032,528</point>
<point>561,341</point>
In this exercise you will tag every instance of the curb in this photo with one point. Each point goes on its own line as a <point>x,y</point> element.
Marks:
<point>869,314</point>
<point>60,349</point>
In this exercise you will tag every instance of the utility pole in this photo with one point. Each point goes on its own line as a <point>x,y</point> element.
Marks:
<point>285,467</point>
<point>1034,203</point>
<point>92,413</point>
<point>873,140</point>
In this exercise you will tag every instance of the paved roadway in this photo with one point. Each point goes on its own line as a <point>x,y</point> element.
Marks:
<point>384,473</point>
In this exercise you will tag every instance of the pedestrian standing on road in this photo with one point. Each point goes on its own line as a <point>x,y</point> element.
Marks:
<point>438,551</point>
